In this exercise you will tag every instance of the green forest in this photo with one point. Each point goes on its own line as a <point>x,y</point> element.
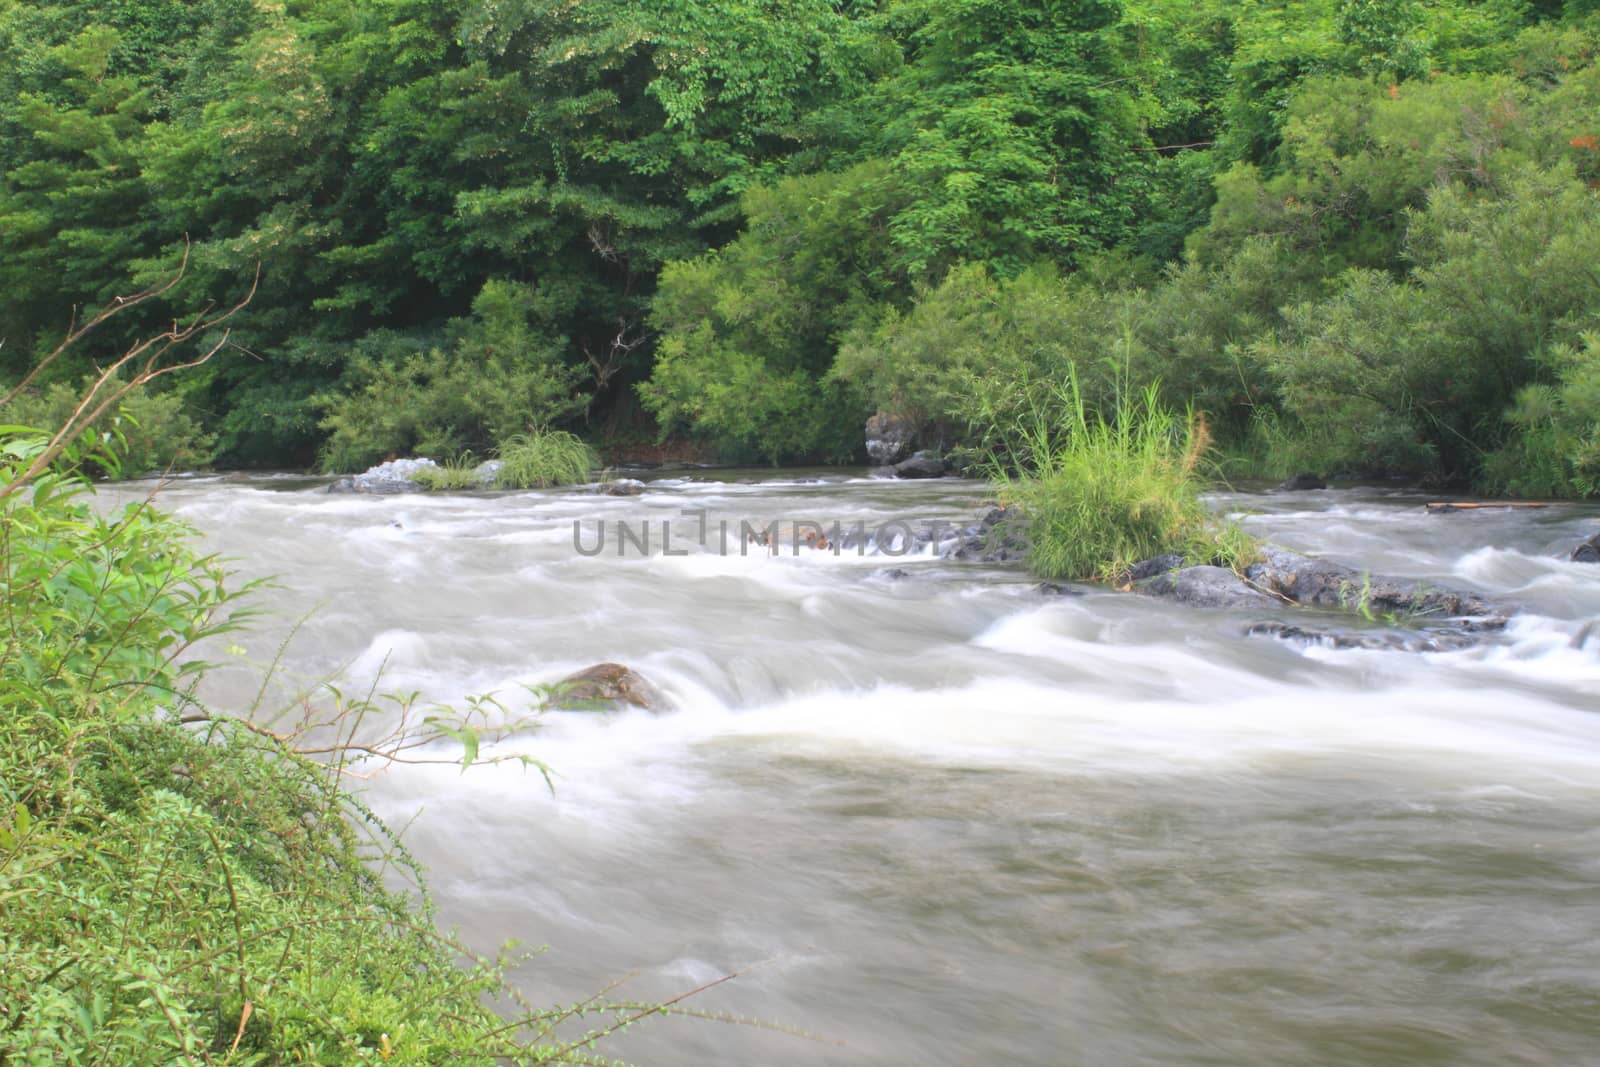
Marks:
<point>1100,252</point>
<point>1357,236</point>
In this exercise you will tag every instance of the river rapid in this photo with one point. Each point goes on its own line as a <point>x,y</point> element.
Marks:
<point>940,818</point>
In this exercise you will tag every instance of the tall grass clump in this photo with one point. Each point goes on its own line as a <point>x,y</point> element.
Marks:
<point>543,460</point>
<point>1101,493</point>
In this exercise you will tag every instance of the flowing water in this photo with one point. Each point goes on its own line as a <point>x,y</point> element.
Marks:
<point>940,818</point>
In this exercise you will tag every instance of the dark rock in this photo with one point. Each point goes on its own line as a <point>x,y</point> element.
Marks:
<point>1159,565</point>
<point>894,574</point>
<point>922,465</point>
<point>1001,537</point>
<point>1302,482</point>
<point>623,487</point>
<point>1057,589</point>
<point>1376,640</point>
<point>889,438</point>
<point>1319,583</point>
<point>1205,587</point>
<point>1588,552</point>
<point>603,685</point>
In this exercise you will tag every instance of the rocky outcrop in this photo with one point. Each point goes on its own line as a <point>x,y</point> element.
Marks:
<point>1588,552</point>
<point>604,687</point>
<point>395,476</point>
<point>1206,587</point>
<point>622,487</point>
<point>1422,617</point>
<point>889,438</point>
<point>922,465</point>
<point>1319,583</point>
<point>1303,482</point>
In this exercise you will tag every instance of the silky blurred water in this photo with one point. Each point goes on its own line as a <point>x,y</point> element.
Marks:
<point>940,818</point>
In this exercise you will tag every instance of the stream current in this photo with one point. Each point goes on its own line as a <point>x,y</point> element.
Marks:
<point>939,818</point>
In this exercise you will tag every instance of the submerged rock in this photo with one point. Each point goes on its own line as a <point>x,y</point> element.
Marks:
<point>1376,640</point>
<point>395,476</point>
<point>602,687</point>
<point>622,487</point>
<point>1303,482</point>
<point>1588,552</point>
<point>889,438</point>
<point>1057,589</point>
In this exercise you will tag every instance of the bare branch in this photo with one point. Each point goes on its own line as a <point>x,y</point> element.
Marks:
<point>146,356</point>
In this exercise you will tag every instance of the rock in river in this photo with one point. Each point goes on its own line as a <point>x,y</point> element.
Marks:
<point>1588,552</point>
<point>1303,482</point>
<point>603,686</point>
<point>889,438</point>
<point>1206,587</point>
<point>922,465</point>
<point>394,476</point>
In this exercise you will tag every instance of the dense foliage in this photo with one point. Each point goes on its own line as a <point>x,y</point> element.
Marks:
<point>1350,231</point>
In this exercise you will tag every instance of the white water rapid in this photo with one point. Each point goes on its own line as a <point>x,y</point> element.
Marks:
<point>940,818</point>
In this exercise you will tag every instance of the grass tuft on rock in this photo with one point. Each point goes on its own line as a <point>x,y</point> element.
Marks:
<point>543,460</point>
<point>1102,493</point>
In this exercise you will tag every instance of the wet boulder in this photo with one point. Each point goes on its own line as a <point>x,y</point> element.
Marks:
<point>1159,565</point>
<point>1205,587</point>
<point>1303,482</point>
<point>1319,583</point>
<point>603,687</point>
<point>1588,552</point>
<point>889,438</point>
<point>922,465</point>
<point>622,487</point>
<point>1001,537</point>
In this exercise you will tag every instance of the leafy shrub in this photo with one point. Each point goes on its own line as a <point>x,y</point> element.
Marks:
<point>748,332</point>
<point>1554,449</point>
<point>542,460</point>
<point>501,377</point>
<point>978,352</point>
<point>152,430</point>
<point>1411,376</point>
<point>1103,493</point>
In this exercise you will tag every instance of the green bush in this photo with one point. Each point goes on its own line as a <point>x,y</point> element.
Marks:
<point>1102,493</point>
<point>153,432</point>
<point>502,376</point>
<point>1554,448</point>
<point>543,460</point>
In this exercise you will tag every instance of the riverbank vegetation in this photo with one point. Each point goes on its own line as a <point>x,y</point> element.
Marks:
<point>187,884</point>
<point>1353,234</point>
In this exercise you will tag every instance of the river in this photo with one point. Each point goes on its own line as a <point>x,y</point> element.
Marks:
<point>940,818</point>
